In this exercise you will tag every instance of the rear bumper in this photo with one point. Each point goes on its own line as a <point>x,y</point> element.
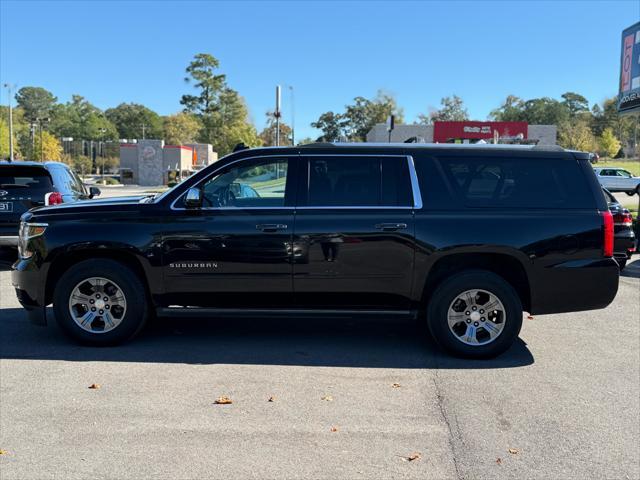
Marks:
<point>624,243</point>
<point>575,286</point>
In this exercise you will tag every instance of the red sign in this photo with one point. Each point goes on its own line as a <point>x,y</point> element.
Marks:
<point>627,51</point>
<point>451,131</point>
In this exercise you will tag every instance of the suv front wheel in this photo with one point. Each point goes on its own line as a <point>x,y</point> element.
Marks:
<point>100,302</point>
<point>475,314</point>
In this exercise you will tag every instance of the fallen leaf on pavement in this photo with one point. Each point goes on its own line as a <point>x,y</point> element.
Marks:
<point>3,452</point>
<point>223,400</point>
<point>529,317</point>
<point>327,398</point>
<point>412,457</point>
<point>271,399</point>
<point>94,386</point>
<point>395,385</point>
<point>499,461</point>
<point>514,451</point>
<point>334,429</point>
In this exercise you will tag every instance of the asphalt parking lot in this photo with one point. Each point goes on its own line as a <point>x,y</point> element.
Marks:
<point>564,402</point>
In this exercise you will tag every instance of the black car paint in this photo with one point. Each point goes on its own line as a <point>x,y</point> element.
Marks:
<point>554,259</point>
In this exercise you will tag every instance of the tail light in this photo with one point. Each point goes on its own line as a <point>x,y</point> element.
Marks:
<point>607,244</point>
<point>625,218</point>
<point>53,198</point>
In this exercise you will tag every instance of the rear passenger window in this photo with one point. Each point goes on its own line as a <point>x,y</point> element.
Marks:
<point>353,181</point>
<point>507,183</point>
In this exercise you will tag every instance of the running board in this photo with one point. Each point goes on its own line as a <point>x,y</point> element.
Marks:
<point>202,312</point>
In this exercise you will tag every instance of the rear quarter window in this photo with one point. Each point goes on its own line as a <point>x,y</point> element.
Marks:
<point>503,182</point>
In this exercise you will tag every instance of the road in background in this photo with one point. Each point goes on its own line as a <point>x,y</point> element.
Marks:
<point>350,400</point>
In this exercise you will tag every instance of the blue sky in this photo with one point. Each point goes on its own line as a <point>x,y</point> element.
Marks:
<point>117,51</point>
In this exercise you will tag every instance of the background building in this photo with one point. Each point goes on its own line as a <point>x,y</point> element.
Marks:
<point>151,162</point>
<point>466,132</point>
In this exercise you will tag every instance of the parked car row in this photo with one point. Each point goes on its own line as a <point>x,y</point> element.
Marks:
<point>461,237</point>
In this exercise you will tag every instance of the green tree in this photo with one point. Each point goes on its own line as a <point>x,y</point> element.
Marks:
<point>510,111</point>
<point>452,110</point>
<point>181,128</point>
<point>4,140</point>
<point>221,109</point>
<point>609,143</point>
<point>545,111</point>
<point>536,111</point>
<point>202,73</point>
<point>36,102</point>
<point>82,121</point>
<point>268,135</point>
<point>49,149</point>
<point>20,129</point>
<point>129,119</point>
<point>332,126</point>
<point>361,116</point>
<point>575,103</point>
<point>577,135</point>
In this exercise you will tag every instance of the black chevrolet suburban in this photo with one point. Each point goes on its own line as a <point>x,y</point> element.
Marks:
<point>462,237</point>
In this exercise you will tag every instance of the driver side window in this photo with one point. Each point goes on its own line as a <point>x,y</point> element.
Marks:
<point>254,183</point>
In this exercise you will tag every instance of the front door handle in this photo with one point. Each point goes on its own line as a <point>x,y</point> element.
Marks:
<point>390,227</point>
<point>271,227</point>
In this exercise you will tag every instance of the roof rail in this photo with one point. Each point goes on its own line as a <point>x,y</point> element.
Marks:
<point>548,148</point>
<point>318,144</point>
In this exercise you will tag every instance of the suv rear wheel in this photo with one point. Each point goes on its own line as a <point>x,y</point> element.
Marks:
<point>100,302</point>
<point>475,314</point>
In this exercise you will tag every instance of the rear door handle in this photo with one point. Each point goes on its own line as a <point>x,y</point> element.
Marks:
<point>389,227</point>
<point>271,227</point>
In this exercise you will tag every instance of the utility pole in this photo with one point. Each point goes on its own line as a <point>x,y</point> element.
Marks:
<point>293,118</point>
<point>10,88</point>
<point>276,114</point>
<point>32,130</point>
<point>102,132</point>
<point>143,129</point>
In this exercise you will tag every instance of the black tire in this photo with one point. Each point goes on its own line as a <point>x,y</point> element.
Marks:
<point>447,292</point>
<point>631,193</point>
<point>135,315</point>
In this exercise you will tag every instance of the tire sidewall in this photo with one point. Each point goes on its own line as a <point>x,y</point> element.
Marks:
<point>443,296</point>
<point>131,287</point>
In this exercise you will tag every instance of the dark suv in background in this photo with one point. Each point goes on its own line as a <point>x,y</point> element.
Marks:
<point>24,185</point>
<point>462,237</point>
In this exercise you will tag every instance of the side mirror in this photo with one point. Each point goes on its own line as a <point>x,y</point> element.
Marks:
<point>94,192</point>
<point>193,198</point>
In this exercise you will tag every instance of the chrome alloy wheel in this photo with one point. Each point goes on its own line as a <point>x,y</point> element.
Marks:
<point>476,317</point>
<point>97,305</point>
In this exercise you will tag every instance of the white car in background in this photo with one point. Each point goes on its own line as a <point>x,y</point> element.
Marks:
<point>617,179</point>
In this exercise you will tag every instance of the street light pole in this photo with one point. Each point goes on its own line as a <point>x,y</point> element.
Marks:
<point>10,88</point>
<point>293,118</point>
<point>102,132</point>
<point>277,115</point>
